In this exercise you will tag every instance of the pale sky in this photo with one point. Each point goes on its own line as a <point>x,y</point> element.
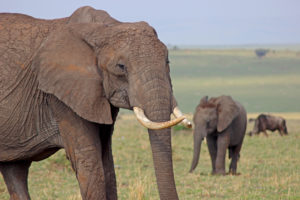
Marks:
<point>188,22</point>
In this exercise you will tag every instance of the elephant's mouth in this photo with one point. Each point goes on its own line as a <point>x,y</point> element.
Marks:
<point>119,98</point>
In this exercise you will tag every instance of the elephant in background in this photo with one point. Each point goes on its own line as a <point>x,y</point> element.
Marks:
<point>268,122</point>
<point>62,83</point>
<point>223,122</point>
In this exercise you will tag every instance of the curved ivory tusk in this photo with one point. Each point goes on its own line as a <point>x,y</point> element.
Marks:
<point>177,113</point>
<point>154,125</point>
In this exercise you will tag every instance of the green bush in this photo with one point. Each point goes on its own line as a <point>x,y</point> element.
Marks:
<point>261,52</point>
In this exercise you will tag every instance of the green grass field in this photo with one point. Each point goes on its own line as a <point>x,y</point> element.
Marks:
<point>269,167</point>
<point>268,84</point>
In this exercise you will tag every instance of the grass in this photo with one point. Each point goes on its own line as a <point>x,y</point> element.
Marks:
<point>268,84</point>
<point>269,167</point>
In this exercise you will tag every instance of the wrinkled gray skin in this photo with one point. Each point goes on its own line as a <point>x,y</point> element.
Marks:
<point>268,122</point>
<point>62,83</point>
<point>223,122</point>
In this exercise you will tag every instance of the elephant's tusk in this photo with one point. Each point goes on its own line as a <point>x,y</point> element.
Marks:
<point>154,125</point>
<point>177,113</point>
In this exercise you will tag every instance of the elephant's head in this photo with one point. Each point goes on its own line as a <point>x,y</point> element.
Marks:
<point>211,117</point>
<point>93,66</point>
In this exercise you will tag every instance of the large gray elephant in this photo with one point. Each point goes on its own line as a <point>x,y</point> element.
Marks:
<point>62,83</point>
<point>223,122</point>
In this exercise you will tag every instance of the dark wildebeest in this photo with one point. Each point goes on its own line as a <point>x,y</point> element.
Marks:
<point>268,122</point>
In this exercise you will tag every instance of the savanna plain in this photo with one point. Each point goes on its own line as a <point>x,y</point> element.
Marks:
<point>269,167</point>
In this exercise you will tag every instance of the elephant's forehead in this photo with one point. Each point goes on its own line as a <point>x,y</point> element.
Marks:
<point>141,48</point>
<point>144,49</point>
<point>203,112</point>
<point>139,32</point>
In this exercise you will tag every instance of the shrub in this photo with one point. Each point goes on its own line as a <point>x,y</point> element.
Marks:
<point>261,52</point>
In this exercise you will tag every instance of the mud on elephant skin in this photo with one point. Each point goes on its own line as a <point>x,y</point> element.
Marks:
<point>62,83</point>
<point>268,122</point>
<point>222,121</point>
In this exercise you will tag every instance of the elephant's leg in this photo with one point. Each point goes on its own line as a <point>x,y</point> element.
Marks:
<point>15,175</point>
<point>108,162</point>
<point>234,158</point>
<point>212,148</point>
<point>83,147</point>
<point>222,145</point>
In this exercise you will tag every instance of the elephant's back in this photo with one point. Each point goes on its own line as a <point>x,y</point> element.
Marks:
<point>21,36</point>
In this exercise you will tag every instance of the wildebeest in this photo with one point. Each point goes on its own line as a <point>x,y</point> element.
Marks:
<point>268,122</point>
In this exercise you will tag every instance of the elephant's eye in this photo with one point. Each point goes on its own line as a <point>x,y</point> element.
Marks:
<point>121,66</point>
<point>168,62</point>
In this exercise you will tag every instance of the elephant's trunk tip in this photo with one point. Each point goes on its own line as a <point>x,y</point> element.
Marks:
<point>191,170</point>
<point>194,165</point>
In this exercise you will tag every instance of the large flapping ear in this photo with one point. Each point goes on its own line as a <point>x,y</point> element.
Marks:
<point>66,67</point>
<point>227,111</point>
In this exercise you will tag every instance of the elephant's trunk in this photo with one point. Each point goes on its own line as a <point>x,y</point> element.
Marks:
<point>197,147</point>
<point>156,102</point>
<point>162,157</point>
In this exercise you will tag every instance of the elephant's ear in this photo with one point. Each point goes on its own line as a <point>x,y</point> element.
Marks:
<point>204,100</point>
<point>227,111</point>
<point>66,67</point>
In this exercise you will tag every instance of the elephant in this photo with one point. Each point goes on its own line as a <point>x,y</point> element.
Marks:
<point>223,122</point>
<point>268,122</point>
<point>62,84</point>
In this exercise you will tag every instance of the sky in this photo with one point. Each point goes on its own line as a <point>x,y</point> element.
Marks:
<point>188,22</point>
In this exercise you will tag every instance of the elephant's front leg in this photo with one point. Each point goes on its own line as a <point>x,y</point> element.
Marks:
<point>212,148</point>
<point>83,147</point>
<point>222,143</point>
<point>108,162</point>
